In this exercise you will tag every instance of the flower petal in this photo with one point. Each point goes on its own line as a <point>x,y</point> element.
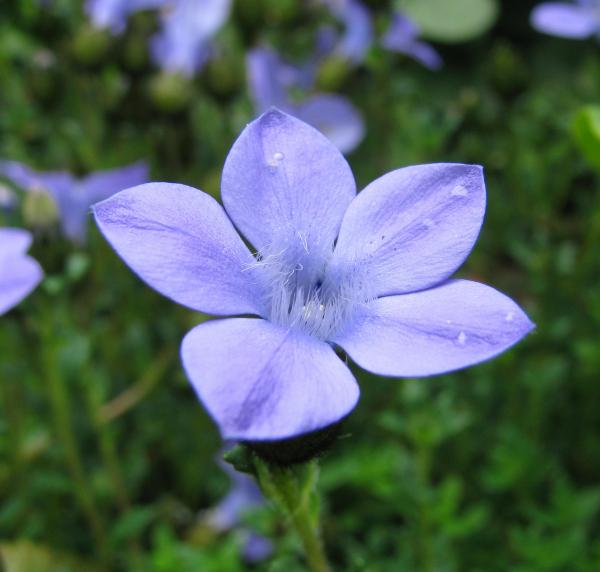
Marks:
<point>335,117</point>
<point>565,20</point>
<point>181,46</point>
<point>286,186</point>
<point>74,203</point>
<point>263,382</point>
<point>265,79</point>
<point>52,181</point>
<point>358,33</point>
<point>14,241</point>
<point>455,325</point>
<point>19,274</point>
<point>412,228</point>
<point>180,241</point>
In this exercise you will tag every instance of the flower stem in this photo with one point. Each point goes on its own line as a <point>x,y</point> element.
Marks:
<point>293,490</point>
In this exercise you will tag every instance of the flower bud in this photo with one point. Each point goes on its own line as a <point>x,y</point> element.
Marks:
<point>332,73</point>
<point>40,211</point>
<point>170,92</point>
<point>91,45</point>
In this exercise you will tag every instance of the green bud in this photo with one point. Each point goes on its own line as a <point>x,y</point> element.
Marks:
<point>91,45</point>
<point>225,75</point>
<point>39,209</point>
<point>170,92</point>
<point>332,73</point>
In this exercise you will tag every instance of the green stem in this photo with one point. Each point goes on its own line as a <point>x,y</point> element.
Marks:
<point>293,490</point>
<point>61,412</point>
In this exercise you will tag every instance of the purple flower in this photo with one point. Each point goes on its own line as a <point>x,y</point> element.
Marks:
<point>74,196</point>
<point>271,80</point>
<point>243,496</point>
<point>113,14</point>
<point>403,37</point>
<point>183,43</point>
<point>19,273</point>
<point>358,29</point>
<point>368,273</point>
<point>577,20</point>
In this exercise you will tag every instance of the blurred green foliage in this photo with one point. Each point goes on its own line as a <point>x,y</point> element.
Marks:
<point>105,453</point>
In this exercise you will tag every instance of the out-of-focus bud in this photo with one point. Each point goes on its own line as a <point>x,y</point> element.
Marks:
<point>225,74</point>
<point>39,209</point>
<point>170,92</point>
<point>91,45</point>
<point>42,75</point>
<point>332,73</point>
<point>281,11</point>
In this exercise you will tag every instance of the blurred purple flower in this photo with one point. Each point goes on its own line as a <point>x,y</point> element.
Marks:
<point>19,273</point>
<point>357,37</point>
<point>403,36</point>
<point>113,14</point>
<point>244,495</point>
<point>368,273</point>
<point>183,43</point>
<point>577,20</point>
<point>271,82</point>
<point>74,196</point>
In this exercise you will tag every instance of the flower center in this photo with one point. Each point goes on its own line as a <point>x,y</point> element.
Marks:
<point>307,296</point>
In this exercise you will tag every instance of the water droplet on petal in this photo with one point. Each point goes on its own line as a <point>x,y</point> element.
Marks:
<point>509,317</point>
<point>462,338</point>
<point>278,156</point>
<point>459,191</point>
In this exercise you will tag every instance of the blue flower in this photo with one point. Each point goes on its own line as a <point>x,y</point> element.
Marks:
<point>357,23</point>
<point>183,43</point>
<point>403,37</point>
<point>74,196</point>
<point>271,82</point>
<point>19,273</point>
<point>243,496</point>
<point>577,20</point>
<point>367,273</point>
<point>113,14</point>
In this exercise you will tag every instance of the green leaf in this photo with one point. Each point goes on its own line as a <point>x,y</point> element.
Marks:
<point>451,21</point>
<point>586,130</point>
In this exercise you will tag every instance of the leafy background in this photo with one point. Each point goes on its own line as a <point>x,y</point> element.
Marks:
<point>106,458</point>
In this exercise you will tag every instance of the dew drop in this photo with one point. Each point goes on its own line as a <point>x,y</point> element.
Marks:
<point>462,338</point>
<point>278,156</point>
<point>509,317</point>
<point>459,191</point>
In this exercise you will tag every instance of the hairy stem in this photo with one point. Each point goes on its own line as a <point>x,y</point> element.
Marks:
<point>293,490</point>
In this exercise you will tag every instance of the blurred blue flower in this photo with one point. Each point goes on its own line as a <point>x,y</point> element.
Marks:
<point>183,43</point>
<point>368,273</point>
<point>113,14</point>
<point>272,82</point>
<point>403,36</point>
<point>19,273</point>
<point>73,195</point>
<point>579,19</point>
<point>244,495</point>
<point>357,24</point>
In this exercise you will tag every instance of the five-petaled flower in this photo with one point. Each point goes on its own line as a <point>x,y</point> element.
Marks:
<point>74,195</point>
<point>19,273</point>
<point>271,82</point>
<point>368,273</point>
<point>579,19</point>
